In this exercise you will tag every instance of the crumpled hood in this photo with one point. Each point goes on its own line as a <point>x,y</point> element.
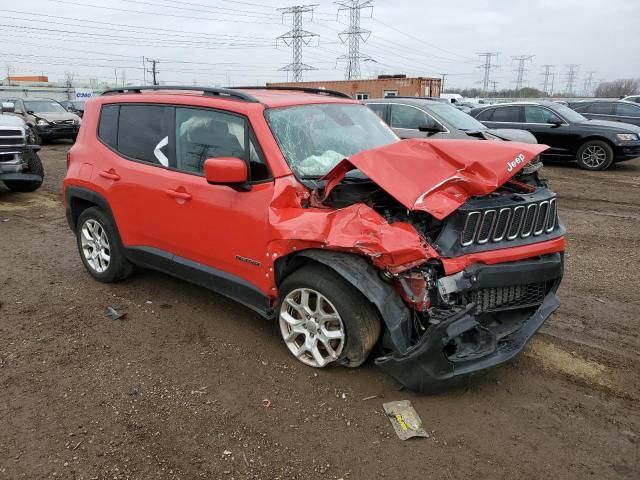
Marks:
<point>437,176</point>
<point>56,117</point>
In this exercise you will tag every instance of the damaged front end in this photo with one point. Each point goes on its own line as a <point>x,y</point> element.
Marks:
<point>495,252</point>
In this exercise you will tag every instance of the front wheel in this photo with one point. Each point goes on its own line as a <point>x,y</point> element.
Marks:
<point>325,320</point>
<point>595,155</point>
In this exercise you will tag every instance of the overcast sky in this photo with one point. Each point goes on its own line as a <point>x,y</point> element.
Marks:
<point>220,42</point>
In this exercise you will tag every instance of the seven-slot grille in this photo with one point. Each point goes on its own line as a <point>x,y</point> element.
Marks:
<point>509,223</point>
<point>508,298</point>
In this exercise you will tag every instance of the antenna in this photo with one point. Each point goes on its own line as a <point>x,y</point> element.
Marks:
<point>296,38</point>
<point>353,35</point>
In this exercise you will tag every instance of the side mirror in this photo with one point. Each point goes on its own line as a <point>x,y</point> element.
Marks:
<point>8,107</point>
<point>430,128</point>
<point>226,170</point>
<point>555,121</point>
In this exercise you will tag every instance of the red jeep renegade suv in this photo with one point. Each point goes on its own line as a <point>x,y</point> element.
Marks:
<point>443,255</point>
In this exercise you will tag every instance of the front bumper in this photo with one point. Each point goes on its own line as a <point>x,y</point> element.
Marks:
<point>463,341</point>
<point>626,151</point>
<point>53,131</point>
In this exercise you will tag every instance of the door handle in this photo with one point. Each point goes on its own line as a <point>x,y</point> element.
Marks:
<point>110,175</point>
<point>182,194</point>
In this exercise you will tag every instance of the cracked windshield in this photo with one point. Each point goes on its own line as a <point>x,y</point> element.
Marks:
<point>315,138</point>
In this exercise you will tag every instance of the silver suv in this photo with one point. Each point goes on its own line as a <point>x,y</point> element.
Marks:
<point>20,166</point>
<point>47,119</point>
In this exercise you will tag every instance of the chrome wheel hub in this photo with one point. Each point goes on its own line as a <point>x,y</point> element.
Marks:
<point>311,327</point>
<point>95,245</point>
<point>594,156</point>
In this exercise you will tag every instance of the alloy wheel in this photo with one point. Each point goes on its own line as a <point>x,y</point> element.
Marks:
<point>95,245</point>
<point>311,327</point>
<point>594,156</point>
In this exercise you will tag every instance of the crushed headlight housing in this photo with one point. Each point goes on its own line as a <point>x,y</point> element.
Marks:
<point>627,137</point>
<point>42,121</point>
<point>415,288</point>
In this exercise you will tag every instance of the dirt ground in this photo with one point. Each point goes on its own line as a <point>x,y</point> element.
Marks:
<point>180,388</point>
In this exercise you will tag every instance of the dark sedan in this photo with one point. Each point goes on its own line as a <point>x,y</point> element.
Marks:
<point>414,117</point>
<point>594,144</point>
<point>615,111</point>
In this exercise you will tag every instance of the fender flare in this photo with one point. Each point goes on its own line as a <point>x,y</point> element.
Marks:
<point>367,279</point>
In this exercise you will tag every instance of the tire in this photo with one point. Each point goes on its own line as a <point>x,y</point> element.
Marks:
<point>358,319</point>
<point>34,166</point>
<point>595,155</point>
<point>99,225</point>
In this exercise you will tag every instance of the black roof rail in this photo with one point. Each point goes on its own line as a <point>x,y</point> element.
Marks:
<point>318,91</point>
<point>221,92</point>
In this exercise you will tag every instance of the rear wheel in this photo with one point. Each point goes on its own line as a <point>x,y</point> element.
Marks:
<point>100,248</point>
<point>34,166</point>
<point>595,155</point>
<point>325,320</point>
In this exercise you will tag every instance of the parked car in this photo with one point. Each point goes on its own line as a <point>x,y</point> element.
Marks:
<point>615,111</point>
<point>412,117</point>
<point>593,144</point>
<point>20,166</point>
<point>305,207</point>
<point>74,106</point>
<point>632,98</point>
<point>47,119</point>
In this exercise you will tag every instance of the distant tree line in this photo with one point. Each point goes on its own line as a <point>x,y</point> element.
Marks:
<point>613,89</point>
<point>618,88</point>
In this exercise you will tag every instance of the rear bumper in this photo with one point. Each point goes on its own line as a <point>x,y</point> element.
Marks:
<point>465,342</point>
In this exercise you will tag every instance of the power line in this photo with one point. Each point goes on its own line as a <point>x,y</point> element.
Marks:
<point>521,59</point>
<point>353,35</point>
<point>547,75</point>
<point>296,38</point>
<point>487,66</point>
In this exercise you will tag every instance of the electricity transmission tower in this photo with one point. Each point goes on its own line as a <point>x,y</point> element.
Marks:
<point>571,77</point>
<point>353,35</point>
<point>588,83</point>
<point>547,74</point>
<point>296,38</point>
<point>521,59</point>
<point>154,70</point>
<point>487,66</point>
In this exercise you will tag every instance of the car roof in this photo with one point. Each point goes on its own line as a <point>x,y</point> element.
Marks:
<point>545,103</point>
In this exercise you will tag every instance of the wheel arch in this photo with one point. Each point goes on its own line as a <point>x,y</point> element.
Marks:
<point>78,199</point>
<point>366,278</point>
<point>593,137</point>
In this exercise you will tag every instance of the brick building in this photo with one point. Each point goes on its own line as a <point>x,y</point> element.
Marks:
<point>383,86</point>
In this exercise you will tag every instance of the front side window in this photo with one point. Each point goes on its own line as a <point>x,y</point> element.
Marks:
<point>203,134</point>
<point>144,133</point>
<point>625,110</point>
<point>315,138</point>
<point>404,116</point>
<point>536,114</point>
<point>506,114</point>
<point>457,118</point>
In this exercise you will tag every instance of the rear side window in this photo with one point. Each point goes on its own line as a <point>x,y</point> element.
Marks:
<point>601,108</point>
<point>144,133</point>
<point>108,126</point>
<point>485,114</point>
<point>506,114</point>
